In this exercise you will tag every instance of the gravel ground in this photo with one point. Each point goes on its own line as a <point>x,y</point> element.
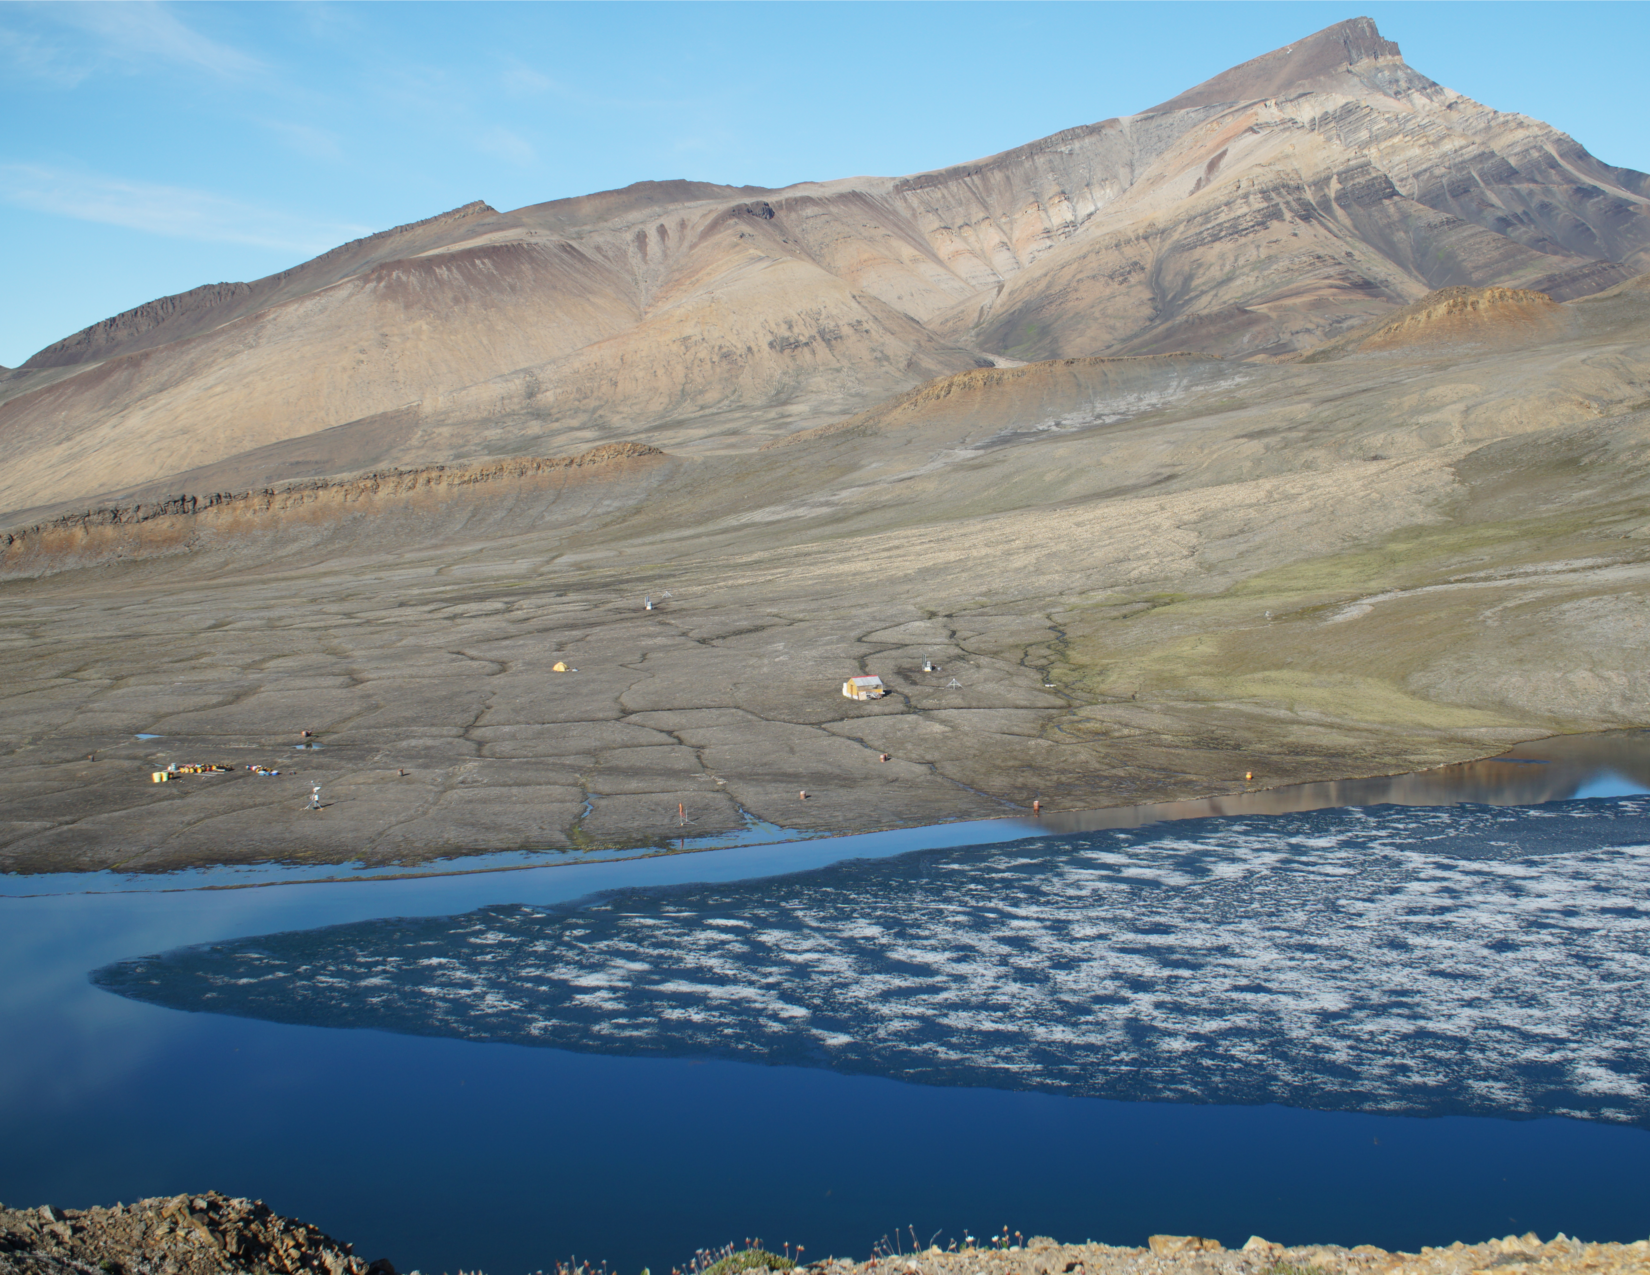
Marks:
<point>1190,1255</point>
<point>205,1234</point>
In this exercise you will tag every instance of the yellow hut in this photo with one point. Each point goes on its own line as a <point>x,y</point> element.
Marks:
<point>864,688</point>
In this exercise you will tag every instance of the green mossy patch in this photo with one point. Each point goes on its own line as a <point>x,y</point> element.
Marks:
<point>1341,638</point>
<point>749,1259</point>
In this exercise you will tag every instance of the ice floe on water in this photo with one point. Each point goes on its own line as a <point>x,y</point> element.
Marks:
<point>1465,959</point>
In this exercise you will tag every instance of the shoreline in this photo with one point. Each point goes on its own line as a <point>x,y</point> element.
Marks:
<point>1447,784</point>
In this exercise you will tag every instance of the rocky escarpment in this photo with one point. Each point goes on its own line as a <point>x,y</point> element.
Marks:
<point>184,1235</point>
<point>1456,316</point>
<point>1469,313</point>
<point>105,338</point>
<point>67,529</point>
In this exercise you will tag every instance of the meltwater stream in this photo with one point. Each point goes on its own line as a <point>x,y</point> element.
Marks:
<point>1394,1024</point>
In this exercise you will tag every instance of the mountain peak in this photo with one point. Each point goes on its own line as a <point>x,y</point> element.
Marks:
<point>1274,74</point>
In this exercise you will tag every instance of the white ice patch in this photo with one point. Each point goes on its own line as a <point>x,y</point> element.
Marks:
<point>1453,959</point>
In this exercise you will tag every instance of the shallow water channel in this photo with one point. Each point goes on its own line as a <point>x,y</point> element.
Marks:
<point>1353,1014</point>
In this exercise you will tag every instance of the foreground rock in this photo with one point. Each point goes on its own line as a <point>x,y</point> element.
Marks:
<point>194,1235</point>
<point>184,1235</point>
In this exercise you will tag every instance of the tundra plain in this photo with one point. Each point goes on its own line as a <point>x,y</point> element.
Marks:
<point>1147,578</point>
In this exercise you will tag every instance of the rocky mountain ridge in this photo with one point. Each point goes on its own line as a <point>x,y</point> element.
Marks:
<point>1280,204</point>
<point>214,304</point>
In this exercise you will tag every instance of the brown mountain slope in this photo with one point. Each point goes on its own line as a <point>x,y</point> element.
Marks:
<point>1282,203</point>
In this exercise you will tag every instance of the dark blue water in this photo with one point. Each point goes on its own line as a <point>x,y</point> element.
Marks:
<point>440,1150</point>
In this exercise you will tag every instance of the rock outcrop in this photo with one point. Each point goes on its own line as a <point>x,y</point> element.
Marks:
<point>185,1235</point>
<point>1458,317</point>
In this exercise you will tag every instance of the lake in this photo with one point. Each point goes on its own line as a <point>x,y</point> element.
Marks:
<point>1400,1024</point>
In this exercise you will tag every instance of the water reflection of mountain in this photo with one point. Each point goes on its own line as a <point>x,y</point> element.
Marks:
<point>1455,959</point>
<point>1544,770</point>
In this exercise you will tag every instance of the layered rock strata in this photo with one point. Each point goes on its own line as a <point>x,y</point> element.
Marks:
<point>172,522</point>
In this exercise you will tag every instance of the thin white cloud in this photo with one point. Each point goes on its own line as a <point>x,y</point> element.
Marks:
<point>314,143</point>
<point>29,56</point>
<point>523,81</point>
<point>175,211</point>
<point>332,23</point>
<point>517,79</point>
<point>501,143</point>
<point>144,32</point>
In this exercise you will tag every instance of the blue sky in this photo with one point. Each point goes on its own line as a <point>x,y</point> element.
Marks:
<point>149,148</point>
